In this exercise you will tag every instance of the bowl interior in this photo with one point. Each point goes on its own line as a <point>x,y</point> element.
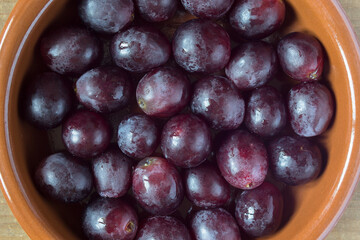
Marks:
<point>310,210</point>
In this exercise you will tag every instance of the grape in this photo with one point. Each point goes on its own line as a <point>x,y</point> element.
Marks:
<point>139,49</point>
<point>186,140</point>
<point>259,211</point>
<point>311,108</point>
<point>256,19</point>
<point>201,46</point>
<point>301,56</point>
<point>242,160</point>
<point>218,101</point>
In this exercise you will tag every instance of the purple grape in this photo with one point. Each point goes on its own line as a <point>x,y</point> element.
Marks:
<point>112,173</point>
<point>242,160</point>
<point>48,99</point>
<point>256,19</point>
<point>104,89</point>
<point>294,160</point>
<point>186,140</point>
<point>86,134</point>
<point>205,187</point>
<point>138,136</point>
<point>265,112</point>
<point>311,108</point>
<point>139,49</point>
<point>251,65</point>
<point>64,178</point>
<point>301,56</point>
<point>70,50</point>
<point>259,211</point>
<point>109,218</point>
<point>163,92</point>
<point>201,46</point>
<point>213,9</point>
<point>157,186</point>
<point>218,101</point>
<point>107,16</point>
<point>157,10</point>
<point>214,224</point>
<point>163,228</point>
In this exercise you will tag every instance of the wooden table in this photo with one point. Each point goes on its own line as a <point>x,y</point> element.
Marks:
<point>348,228</point>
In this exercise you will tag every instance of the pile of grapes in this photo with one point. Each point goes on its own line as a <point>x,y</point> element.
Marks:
<point>205,121</point>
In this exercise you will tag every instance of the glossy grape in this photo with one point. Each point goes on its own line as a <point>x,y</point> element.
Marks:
<point>205,187</point>
<point>201,46</point>
<point>208,8</point>
<point>109,218</point>
<point>186,140</point>
<point>138,136</point>
<point>107,16</point>
<point>163,92</point>
<point>301,56</point>
<point>265,111</point>
<point>157,186</point>
<point>311,108</point>
<point>256,19</point>
<point>214,224</point>
<point>163,228</point>
<point>157,10</point>
<point>217,100</point>
<point>62,177</point>
<point>70,50</point>
<point>242,160</point>
<point>294,160</point>
<point>251,65</point>
<point>139,49</point>
<point>259,211</point>
<point>112,173</point>
<point>86,134</point>
<point>104,89</point>
<point>48,99</point>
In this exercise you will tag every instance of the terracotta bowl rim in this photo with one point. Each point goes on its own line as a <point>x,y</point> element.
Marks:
<point>21,208</point>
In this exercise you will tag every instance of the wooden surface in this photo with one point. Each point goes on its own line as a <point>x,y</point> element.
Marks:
<point>348,228</point>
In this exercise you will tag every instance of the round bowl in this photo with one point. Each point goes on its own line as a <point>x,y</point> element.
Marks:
<point>311,211</point>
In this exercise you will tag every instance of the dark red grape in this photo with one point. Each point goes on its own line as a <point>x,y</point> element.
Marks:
<point>201,46</point>
<point>205,187</point>
<point>242,160</point>
<point>157,10</point>
<point>107,16</point>
<point>48,99</point>
<point>163,92</point>
<point>104,89</point>
<point>294,160</point>
<point>186,140</point>
<point>110,218</point>
<point>138,136</point>
<point>163,228</point>
<point>157,186</point>
<point>86,134</point>
<point>251,65</point>
<point>112,173</point>
<point>218,101</point>
<point>259,211</point>
<point>214,224</point>
<point>265,111</point>
<point>256,19</point>
<point>301,56</point>
<point>208,8</point>
<point>62,177</point>
<point>139,49</point>
<point>311,108</point>
<point>70,50</point>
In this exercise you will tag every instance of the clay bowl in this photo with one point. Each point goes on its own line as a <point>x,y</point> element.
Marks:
<point>311,211</point>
